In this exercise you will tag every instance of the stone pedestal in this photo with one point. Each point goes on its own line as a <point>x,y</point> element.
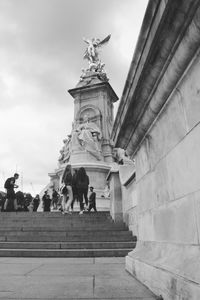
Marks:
<point>89,144</point>
<point>95,102</point>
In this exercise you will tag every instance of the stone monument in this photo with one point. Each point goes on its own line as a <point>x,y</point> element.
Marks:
<point>89,143</point>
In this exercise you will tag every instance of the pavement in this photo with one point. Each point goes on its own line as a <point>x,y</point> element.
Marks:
<point>68,278</point>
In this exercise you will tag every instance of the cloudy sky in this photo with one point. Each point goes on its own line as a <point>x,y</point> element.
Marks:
<point>41,50</point>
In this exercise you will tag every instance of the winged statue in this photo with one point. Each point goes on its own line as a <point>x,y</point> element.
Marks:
<point>91,53</point>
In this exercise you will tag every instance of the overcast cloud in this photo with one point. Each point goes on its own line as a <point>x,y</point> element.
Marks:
<point>41,50</point>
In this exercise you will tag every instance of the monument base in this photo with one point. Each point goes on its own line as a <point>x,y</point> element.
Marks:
<point>97,172</point>
<point>167,269</point>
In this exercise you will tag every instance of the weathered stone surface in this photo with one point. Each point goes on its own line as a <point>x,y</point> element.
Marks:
<point>158,125</point>
<point>146,191</point>
<point>68,278</point>
<point>176,222</point>
<point>169,270</point>
<point>130,208</point>
<point>183,165</point>
<point>56,235</point>
<point>142,161</point>
<point>167,132</point>
<point>116,195</point>
<point>197,212</point>
<point>190,93</point>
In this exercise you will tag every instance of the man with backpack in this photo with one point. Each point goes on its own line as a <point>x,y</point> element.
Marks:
<point>11,201</point>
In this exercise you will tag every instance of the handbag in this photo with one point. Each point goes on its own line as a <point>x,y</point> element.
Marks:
<point>63,189</point>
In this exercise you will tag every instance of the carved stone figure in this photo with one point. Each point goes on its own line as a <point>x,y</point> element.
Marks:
<point>60,159</point>
<point>121,157</point>
<point>88,136</point>
<point>65,151</point>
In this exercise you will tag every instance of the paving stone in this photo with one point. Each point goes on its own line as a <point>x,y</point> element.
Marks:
<point>68,278</point>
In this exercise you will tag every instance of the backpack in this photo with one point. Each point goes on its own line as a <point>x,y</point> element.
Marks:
<point>7,183</point>
<point>63,189</point>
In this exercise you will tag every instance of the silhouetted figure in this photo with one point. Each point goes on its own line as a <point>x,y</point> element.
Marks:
<point>27,201</point>
<point>20,200</point>
<point>67,190</point>
<point>36,202</point>
<point>9,185</point>
<point>74,188</point>
<point>82,187</point>
<point>46,202</point>
<point>92,200</point>
<point>2,201</point>
<point>55,196</point>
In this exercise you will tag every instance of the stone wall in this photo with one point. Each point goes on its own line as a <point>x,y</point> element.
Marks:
<point>129,197</point>
<point>168,186</point>
<point>123,196</point>
<point>158,123</point>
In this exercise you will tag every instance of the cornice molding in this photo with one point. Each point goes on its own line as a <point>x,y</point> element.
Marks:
<point>171,43</point>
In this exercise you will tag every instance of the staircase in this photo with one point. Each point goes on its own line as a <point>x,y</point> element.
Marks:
<point>25,234</point>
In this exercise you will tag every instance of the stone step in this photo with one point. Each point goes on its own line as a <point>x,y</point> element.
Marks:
<point>71,227</point>
<point>53,222</point>
<point>66,236</point>
<point>64,220</point>
<point>25,234</point>
<point>67,245</point>
<point>53,215</point>
<point>64,252</point>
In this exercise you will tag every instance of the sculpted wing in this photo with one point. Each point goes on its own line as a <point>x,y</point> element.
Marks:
<point>104,41</point>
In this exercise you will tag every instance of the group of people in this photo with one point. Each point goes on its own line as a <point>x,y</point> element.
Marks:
<point>75,187</point>
<point>17,201</point>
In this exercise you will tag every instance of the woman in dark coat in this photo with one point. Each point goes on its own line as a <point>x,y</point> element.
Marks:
<point>82,187</point>
<point>67,190</point>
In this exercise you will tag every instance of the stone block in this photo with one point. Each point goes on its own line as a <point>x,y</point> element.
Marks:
<point>129,197</point>
<point>146,229</point>
<point>172,222</point>
<point>146,188</point>
<point>183,165</point>
<point>142,161</point>
<point>190,93</point>
<point>161,185</point>
<point>168,130</point>
<point>170,270</point>
<point>153,188</point>
<point>116,196</point>
<point>165,182</point>
<point>197,212</point>
<point>125,172</point>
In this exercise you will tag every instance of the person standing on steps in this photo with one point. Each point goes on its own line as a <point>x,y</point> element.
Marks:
<point>36,202</point>
<point>67,190</point>
<point>74,188</point>
<point>11,201</point>
<point>92,200</point>
<point>82,180</point>
<point>55,199</point>
<point>46,202</point>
